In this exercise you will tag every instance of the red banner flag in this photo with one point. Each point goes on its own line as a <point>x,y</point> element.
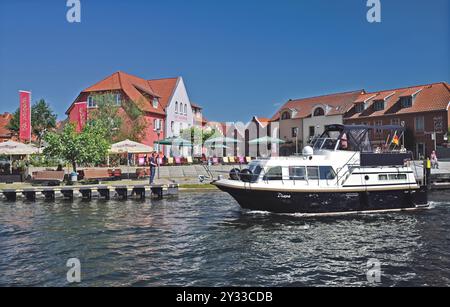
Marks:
<point>25,116</point>
<point>81,115</point>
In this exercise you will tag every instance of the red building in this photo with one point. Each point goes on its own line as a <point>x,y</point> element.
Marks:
<point>149,96</point>
<point>423,110</point>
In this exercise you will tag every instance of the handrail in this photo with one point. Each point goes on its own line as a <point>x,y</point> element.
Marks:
<point>348,168</point>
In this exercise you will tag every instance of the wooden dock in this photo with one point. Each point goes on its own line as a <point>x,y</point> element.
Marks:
<point>89,192</point>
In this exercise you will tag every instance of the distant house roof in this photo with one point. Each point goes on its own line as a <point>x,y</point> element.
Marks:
<point>136,89</point>
<point>339,103</point>
<point>431,97</point>
<point>262,120</point>
<point>4,122</point>
<point>196,106</point>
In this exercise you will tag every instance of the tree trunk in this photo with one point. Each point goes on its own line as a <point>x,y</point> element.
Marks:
<point>74,166</point>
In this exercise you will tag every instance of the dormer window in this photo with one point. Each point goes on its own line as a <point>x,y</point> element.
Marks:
<point>359,108</point>
<point>406,102</point>
<point>319,112</point>
<point>286,116</point>
<point>378,105</point>
<point>155,103</point>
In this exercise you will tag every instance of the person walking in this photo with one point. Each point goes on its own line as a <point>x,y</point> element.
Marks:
<point>153,166</point>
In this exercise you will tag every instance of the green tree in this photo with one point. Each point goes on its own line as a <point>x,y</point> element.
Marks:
<point>88,147</point>
<point>194,134</point>
<point>106,115</point>
<point>135,129</point>
<point>43,119</point>
<point>14,123</point>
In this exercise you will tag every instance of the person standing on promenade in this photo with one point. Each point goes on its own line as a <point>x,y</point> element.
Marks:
<point>153,166</point>
<point>434,160</point>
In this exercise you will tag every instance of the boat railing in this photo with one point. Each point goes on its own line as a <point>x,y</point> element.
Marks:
<point>348,167</point>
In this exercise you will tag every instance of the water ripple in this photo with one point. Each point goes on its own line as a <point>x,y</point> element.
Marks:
<point>204,239</point>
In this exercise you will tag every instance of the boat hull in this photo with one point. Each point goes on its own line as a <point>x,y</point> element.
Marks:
<point>326,202</point>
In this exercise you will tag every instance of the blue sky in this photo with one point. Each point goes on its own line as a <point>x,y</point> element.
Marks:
<point>238,57</point>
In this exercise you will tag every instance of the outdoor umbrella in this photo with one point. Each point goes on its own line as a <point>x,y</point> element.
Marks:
<point>221,140</point>
<point>177,141</point>
<point>12,148</point>
<point>129,147</point>
<point>266,140</point>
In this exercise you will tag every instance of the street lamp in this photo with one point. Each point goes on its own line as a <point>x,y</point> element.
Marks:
<point>158,133</point>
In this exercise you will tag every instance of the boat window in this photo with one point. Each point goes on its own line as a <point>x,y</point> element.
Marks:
<point>383,177</point>
<point>255,168</point>
<point>392,177</point>
<point>313,173</point>
<point>397,177</point>
<point>297,173</point>
<point>274,173</point>
<point>325,143</point>
<point>327,173</point>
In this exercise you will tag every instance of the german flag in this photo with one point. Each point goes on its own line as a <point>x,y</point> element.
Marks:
<point>396,140</point>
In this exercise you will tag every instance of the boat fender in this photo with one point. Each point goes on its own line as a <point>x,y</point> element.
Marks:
<point>234,174</point>
<point>246,175</point>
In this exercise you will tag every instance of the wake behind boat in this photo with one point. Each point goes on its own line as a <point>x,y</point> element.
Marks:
<point>339,174</point>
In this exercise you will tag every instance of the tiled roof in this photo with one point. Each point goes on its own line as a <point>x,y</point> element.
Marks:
<point>339,103</point>
<point>4,121</point>
<point>136,89</point>
<point>196,106</point>
<point>431,97</point>
<point>365,97</point>
<point>165,89</point>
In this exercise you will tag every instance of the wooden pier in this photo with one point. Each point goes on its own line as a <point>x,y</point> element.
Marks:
<point>90,192</point>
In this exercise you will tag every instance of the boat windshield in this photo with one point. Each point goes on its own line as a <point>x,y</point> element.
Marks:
<point>256,167</point>
<point>325,144</point>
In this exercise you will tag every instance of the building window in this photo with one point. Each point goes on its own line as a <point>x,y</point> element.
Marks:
<point>176,107</point>
<point>91,102</point>
<point>157,124</point>
<point>378,123</point>
<point>185,109</point>
<point>420,123</point>
<point>285,116</point>
<point>118,99</point>
<point>155,103</point>
<point>395,122</point>
<point>172,127</point>
<point>438,124</point>
<point>406,102</point>
<point>294,132</point>
<point>359,108</point>
<point>319,112</point>
<point>378,105</point>
<point>312,132</point>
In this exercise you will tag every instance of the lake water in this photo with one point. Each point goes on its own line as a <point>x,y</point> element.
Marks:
<point>204,239</point>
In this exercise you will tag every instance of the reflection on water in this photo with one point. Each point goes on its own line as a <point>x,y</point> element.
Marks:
<point>204,239</point>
